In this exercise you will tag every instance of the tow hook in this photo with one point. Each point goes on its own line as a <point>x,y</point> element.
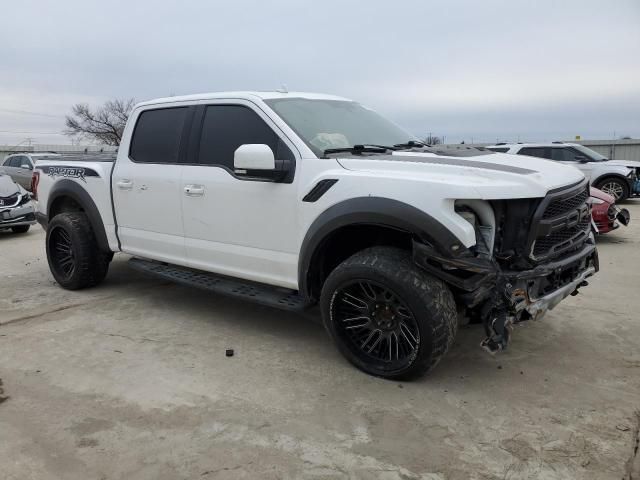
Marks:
<point>501,328</point>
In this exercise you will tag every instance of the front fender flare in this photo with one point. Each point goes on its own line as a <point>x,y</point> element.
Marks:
<point>373,211</point>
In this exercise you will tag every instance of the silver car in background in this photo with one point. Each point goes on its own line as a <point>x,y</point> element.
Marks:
<point>19,166</point>
<point>16,209</point>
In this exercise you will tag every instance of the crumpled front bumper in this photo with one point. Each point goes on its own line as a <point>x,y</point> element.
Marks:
<point>17,216</point>
<point>537,287</point>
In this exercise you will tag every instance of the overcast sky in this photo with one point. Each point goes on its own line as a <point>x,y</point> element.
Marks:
<point>487,70</point>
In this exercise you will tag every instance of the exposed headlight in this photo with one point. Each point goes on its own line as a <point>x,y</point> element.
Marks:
<point>484,233</point>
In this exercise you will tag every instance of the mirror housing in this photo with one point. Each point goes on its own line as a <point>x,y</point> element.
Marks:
<point>254,156</point>
<point>581,158</point>
<point>26,166</point>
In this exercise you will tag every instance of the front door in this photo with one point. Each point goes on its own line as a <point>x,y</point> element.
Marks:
<point>147,188</point>
<point>571,156</point>
<point>238,226</point>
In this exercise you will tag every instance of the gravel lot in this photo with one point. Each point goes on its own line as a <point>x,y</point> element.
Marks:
<point>130,381</point>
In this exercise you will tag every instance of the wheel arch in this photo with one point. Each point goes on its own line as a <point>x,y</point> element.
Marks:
<point>617,176</point>
<point>359,223</point>
<point>67,196</point>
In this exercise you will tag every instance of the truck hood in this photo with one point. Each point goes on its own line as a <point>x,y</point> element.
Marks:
<point>486,176</point>
<point>621,163</point>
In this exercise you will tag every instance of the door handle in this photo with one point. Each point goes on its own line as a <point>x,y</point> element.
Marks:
<point>194,190</point>
<point>124,184</point>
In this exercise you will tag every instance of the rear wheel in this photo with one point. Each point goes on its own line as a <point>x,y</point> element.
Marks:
<point>20,229</point>
<point>75,260</point>
<point>388,317</point>
<point>615,187</point>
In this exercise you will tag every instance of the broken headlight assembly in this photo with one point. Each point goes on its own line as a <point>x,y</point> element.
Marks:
<point>480,215</point>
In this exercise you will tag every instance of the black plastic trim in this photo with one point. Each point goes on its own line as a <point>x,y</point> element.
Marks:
<point>319,189</point>
<point>69,188</point>
<point>374,211</point>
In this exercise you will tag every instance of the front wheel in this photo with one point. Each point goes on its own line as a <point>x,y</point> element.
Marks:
<point>388,317</point>
<point>75,260</point>
<point>615,187</point>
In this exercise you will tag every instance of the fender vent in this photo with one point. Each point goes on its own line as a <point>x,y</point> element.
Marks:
<point>320,189</point>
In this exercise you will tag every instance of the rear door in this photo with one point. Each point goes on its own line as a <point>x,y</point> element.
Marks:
<point>146,184</point>
<point>8,167</point>
<point>22,171</point>
<point>234,225</point>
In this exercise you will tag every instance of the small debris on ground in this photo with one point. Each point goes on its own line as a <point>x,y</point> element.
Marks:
<point>2,396</point>
<point>229,352</point>
<point>622,428</point>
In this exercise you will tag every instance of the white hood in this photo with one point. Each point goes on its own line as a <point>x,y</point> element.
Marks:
<point>485,176</point>
<point>622,163</point>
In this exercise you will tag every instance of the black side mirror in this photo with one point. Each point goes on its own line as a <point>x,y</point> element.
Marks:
<point>581,159</point>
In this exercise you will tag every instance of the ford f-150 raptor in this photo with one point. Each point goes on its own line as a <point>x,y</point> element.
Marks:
<point>296,199</point>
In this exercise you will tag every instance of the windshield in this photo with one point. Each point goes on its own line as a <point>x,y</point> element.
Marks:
<point>325,124</point>
<point>592,154</point>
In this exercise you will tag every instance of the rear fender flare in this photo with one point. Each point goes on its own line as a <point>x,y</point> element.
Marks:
<point>70,189</point>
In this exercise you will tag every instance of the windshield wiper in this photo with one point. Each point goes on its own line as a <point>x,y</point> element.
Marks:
<point>411,144</point>
<point>360,149</point>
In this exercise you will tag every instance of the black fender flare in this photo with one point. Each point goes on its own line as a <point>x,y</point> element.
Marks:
<point>378,211</point>
<point>69,188</point>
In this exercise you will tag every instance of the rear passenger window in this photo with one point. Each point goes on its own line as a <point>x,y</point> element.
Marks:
<point>156,137</point>
<point>564,154</point>
<point>534,152</point>
<point>226,127</point>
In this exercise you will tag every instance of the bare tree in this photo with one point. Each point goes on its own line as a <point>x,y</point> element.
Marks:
<point>432,140</point>
<point>104,124</point>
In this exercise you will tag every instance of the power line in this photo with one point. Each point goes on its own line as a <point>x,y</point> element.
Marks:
<point>34,133</point>
<point>25,112</point>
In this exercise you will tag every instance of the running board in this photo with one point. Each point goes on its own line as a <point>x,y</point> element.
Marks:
<point>268,295</point>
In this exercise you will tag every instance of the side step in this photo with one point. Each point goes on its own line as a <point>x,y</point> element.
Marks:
<point>277,297</point>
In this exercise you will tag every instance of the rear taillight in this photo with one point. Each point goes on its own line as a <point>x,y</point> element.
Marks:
<point>35,180</point>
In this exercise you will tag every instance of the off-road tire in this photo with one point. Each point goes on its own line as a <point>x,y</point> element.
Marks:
<point>622,187</point>
<point>20,229</point>
<point>427,298</point>
<point>90,263</point>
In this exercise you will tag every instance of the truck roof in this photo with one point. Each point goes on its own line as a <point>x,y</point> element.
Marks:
<point>243,95</point>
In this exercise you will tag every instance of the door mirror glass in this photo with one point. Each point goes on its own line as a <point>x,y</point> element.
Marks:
<point>254,156</point>
<point>26,166</point>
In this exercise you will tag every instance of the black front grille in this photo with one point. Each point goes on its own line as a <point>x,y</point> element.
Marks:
<point>562,223</point>
<point>562,239</point>
<point>9,201</point>
<point>562,206</point>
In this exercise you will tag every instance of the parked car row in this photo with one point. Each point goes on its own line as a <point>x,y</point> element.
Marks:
<point>618,178</point>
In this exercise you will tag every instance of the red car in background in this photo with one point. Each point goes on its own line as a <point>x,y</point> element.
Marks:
<point>606,214</point>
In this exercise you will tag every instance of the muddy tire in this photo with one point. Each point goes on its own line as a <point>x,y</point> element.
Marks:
<point>20,229</point>
<point>387,316</point>
<point>75,260</point>
<point>615,187</point>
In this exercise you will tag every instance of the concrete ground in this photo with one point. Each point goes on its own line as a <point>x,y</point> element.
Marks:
<point>130,381</point>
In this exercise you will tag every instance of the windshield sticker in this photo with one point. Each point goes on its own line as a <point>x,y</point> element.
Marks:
<point>69,172</point>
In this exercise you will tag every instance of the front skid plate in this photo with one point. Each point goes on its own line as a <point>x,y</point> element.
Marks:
<point>277,297</point>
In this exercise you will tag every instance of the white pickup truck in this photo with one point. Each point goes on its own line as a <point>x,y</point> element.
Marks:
<point>297,199</point>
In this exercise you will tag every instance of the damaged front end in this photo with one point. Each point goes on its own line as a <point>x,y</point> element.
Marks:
<point>542,252</point>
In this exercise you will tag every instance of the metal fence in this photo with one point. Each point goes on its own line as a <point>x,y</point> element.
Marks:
<point>8,150</point>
